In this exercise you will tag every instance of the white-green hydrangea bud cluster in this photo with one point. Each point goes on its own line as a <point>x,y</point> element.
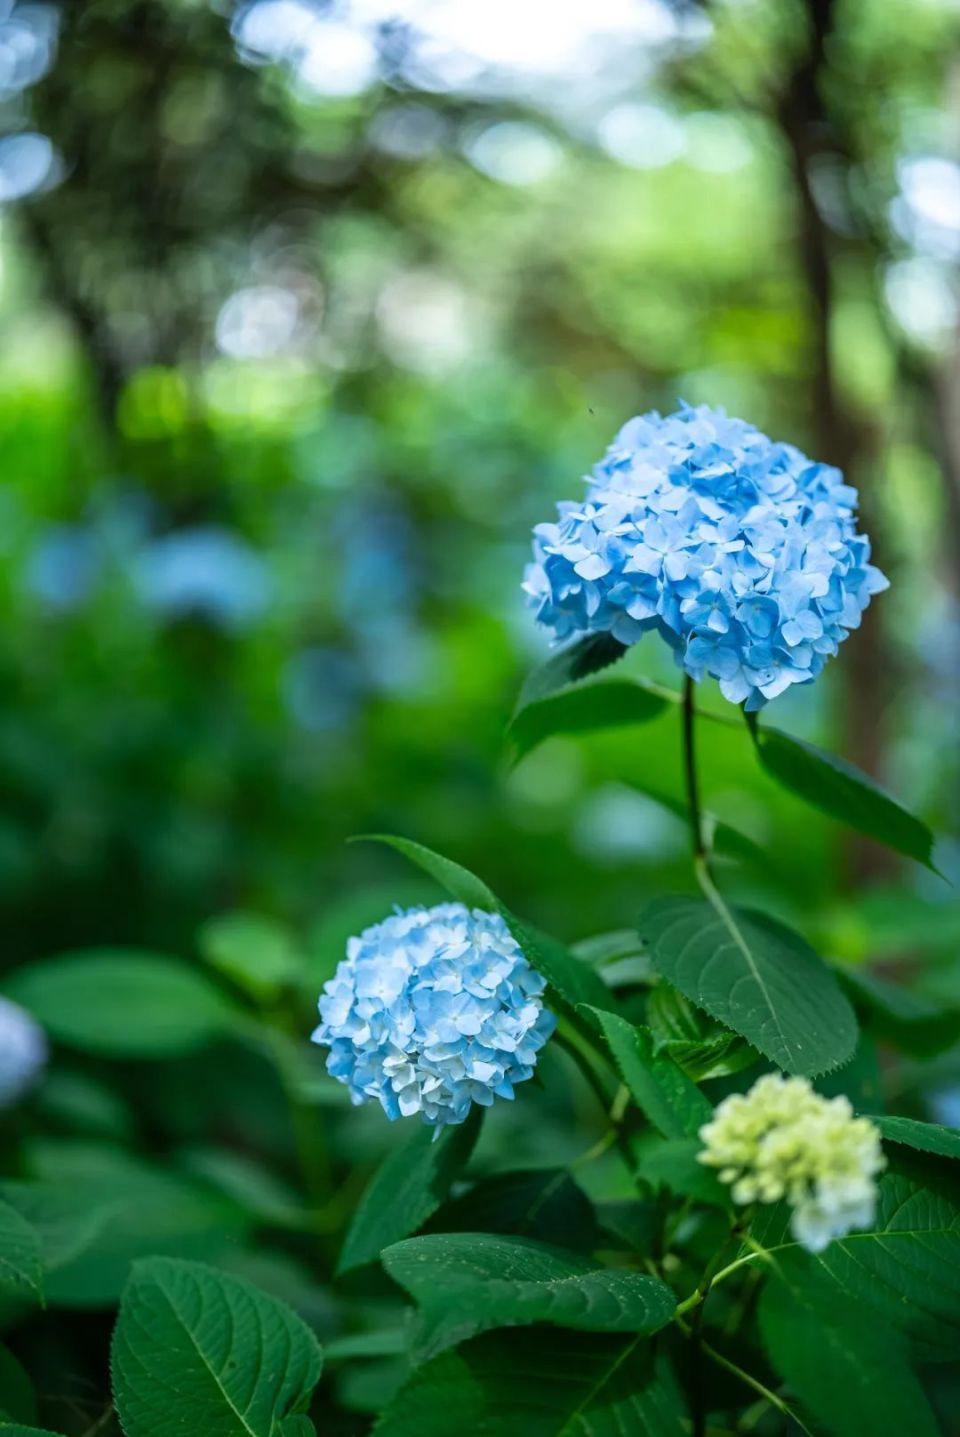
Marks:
<point>781,1140</point>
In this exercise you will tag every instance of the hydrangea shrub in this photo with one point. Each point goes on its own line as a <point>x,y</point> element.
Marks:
<point>721,1231</point>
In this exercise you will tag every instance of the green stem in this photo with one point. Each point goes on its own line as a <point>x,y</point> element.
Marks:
<point>773,1398</point>
<point>690,772</point>
<point>708,1283</point>
<point>614,1107</point>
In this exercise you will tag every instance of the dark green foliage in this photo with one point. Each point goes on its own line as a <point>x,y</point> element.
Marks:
<point>407,1190</point>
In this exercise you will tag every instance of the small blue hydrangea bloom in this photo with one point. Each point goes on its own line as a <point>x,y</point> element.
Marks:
<point>23,1051</point>
<point>432,1010</point>
<point>742,553</point>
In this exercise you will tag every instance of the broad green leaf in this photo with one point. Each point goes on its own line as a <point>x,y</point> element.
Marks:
<point>851,1374</point>
<point>196,1351</point>
<point>757,977</point>
<point>543,1203</point>
<point>571,980</point>
<point>543,1383</point>
<point>17,1400</point>
<point>16,1429</point>
<point>674,1104</point>
<point>905,1266</point>
<point>97,1210</point>
<point>926,1137</point>
<point>297,1427</point>
<point>913,1022</point>
<point>21,1264</point>
<point>256,952</point>
<point>464,1283</point>
<point>407,1189</point>
<point>122,1003</point>
<point>840,790</point>
<point>64,1224</point>
<point>582,708</point>
<point>577,661</point>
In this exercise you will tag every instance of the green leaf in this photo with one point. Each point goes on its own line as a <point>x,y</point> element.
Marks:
<point>101,1209</point>
<point>577,661</point>
<point>543,1383</point>
<point>407,1189</point>
<point>17,1400</point>
<point>842,791</point>
<point>297,1427</point>
<point>852,1374</point>
<point>257,953</point>
<point>543,1203</point>
<point>196,1351</point>
<point>571,980</point>
<point>926,1137</point>
<point>21,1265</point>
<point>905,1266</point>
<point>464,1283</point>
<point>15,1429</point>
<point>757,977</point>
<point>122,1003</point>
<point>65,1225</point>
<point>674,1104</point>
<point>702,1048</point>
<point>603,703</point>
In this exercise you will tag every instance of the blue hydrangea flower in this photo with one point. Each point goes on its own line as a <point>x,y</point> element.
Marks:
<point>23,1051</point>
<point>742,553</point>
<point>432,1010</point>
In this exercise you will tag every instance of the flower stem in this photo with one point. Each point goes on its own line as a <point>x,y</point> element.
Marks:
<point>690,771</point>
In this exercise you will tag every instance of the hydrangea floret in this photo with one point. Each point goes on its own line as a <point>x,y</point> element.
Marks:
<point>783,1140</point>
<point>742,552</point>
<point>433,1010</point>
<point>23,1051</point>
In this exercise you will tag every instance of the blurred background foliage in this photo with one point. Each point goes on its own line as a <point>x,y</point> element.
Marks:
<point>309,311</point>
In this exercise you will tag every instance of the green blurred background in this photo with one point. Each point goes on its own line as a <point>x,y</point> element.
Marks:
<point>309,312</point>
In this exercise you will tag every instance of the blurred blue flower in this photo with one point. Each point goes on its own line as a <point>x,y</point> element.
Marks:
<point>742,553</point>
<point>432,1010</point>
<point>64,565</point>
<point>23,1051</point>
<point>207,571</point>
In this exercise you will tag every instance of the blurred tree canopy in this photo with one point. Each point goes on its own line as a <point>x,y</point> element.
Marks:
<point>311,310</point>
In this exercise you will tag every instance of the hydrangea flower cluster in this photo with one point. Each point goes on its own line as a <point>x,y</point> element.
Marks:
<point>741,552</point>
<point>23,1051</point>
<point>432,1010</point>
<point>783,1140</point>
